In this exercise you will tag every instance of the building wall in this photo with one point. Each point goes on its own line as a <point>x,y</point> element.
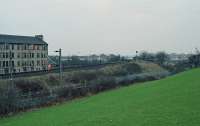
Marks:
<point>23,58</point>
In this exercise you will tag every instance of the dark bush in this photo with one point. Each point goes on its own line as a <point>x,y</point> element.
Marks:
<point>132,68</point>
<point>106,83</point>
<point>77,77</point>
<point>27,86</point>
<point>53,80</point>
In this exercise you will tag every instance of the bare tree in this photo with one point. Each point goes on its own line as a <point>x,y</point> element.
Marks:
<point>161,58</point>
<point>147,56</point>
<point>194,60</point>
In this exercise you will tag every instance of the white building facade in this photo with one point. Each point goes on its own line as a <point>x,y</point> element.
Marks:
<point>22,54</point>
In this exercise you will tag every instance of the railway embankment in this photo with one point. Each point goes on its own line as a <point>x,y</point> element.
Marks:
<point>25,93</point>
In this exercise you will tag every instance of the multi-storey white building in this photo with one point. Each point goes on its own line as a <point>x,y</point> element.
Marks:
<point>22,54</point>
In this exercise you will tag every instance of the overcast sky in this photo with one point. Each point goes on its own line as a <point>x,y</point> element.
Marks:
<point>106,26</point>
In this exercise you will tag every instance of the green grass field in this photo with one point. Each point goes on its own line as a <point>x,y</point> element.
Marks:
<point>174,101</point>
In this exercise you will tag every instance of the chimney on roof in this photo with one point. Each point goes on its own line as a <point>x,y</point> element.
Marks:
<point>39,37</point>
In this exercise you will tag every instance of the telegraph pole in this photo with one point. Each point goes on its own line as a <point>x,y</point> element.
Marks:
<point>11,68</point>
<point>136,56</point>
<point>60,64</point>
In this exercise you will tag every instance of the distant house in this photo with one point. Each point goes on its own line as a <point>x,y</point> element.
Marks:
<point>178,57</point>
<point>22,54</point>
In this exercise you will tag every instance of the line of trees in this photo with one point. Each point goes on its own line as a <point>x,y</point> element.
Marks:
<point>194,60</point>
<point>161,57</point>
<point>173,65</point>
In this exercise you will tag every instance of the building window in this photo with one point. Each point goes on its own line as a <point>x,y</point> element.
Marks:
<point>4,63</point>
<point>24,68</point>
<point>28,46</point>
<point>44,47</point>
<point>25,47</point>
<point>18,55</point>
<point>38,55</point>
<point>7,64</point>
<point>18,63</point>
<point>23,64</point>
<point>32,55</point>
<point>7,47</point>
<point>38,63</point>
<point>13,55</point>
<point>13,46</point>
<point>1,46</point>
<point>33,63</point>
<point>6,55</point>
<point>34,47</point>
<point>13,63</point>
<point>18,47</point>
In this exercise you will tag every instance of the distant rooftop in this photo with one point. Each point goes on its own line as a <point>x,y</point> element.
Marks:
<point>15,39</point>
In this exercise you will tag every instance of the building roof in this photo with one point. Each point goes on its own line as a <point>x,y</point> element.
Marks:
<point>15,39</point>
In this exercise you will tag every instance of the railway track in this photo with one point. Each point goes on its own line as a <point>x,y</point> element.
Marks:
<point>56,70</point>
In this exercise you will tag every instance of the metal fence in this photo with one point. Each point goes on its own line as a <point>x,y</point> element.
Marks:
<point>15,101</point>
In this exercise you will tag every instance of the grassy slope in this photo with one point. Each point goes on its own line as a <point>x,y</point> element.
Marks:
<point>174,101</point>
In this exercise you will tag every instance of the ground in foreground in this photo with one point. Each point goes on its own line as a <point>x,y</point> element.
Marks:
<point>172,101</point>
